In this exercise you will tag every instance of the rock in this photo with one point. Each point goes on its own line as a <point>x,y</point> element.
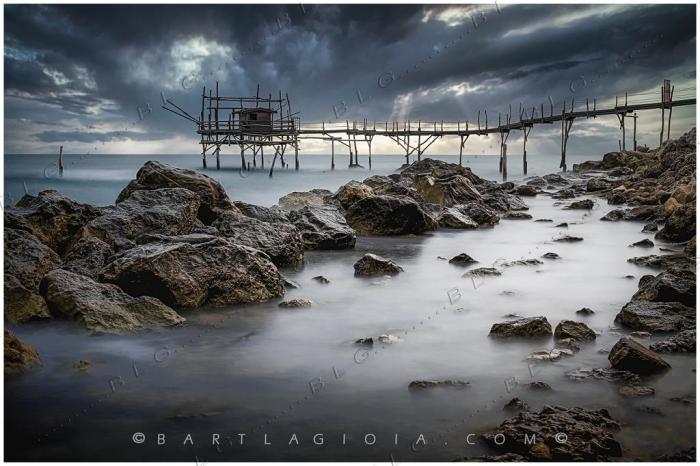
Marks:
<point>212,197</point>
<point>270,215</point>
<point>385,185</point>
<point>50,216</point>
<point>589,435</point>
<point>526,327</point>
<point>603,374</point>
<point>365,341</point>
<point>585,204</point>
<point>516,216</point>
<point>523,262</point>
<point>463,259</point>
<point>656,317</point>
<point>629,355</point>
<point>21,304</point>
<point>299,199</point>
<point>281,241</point>
<point>482,272</point>
<point>585,311</point>
<point>103,307</point>
<point>645,243</point>
<point>423,384</point>
<point>19,356</point>
<point>566,193</point>
<point>680,456</point>
<point>503,201</point>
<point>168,211</point>
<point>27,259</point>
<point>321,279</point>
<point>577,331</point>
<point>388,339</point>
<point>554,178</point>
<point>88,256</point>
<point>539,386</point>
<point>562,225</point>
<point>544,220</point>
<point>516,404</point>
<point>525,190</point>
<point>597,184</point>
<point>185,274</point>
<point>445,190</point>
<point>684,342</point>
<point>667,287</point>
<point>634,391</point>
<point>82,365</point>
<point>352,192</point>
<point>323,227</point>
<point>613,216</point>
<point>451,217</point>
<point>372,264</point>
<point>680,226</point>
<point>288,283</point>
<point>481,214</point>
<point>650,228</point>
<point>640,335</point>
<point>568,239</point>
<point>296,303</point>
<point>666,261</point>
<point>551,355</point>
<point>551,255</point>
<point>389,215</point>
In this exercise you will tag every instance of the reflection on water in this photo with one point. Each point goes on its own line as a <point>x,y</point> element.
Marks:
<point>260,369</point>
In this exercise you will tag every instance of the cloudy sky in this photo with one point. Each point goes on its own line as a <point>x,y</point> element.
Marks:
<point>92,78</point>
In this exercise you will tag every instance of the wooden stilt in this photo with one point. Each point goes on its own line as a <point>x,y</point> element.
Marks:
<point>461,149</point>
<point>296,156</point>
<point>504,152</point>
<point>526,132</point>
<point>218,161</point>
<point>332,154</point>
<point>274,159</point>
<point>243,165</point>
<point>634,132</point>
<point>566,127</point>
<point>204,157</point>
<point>262,157</point>
<point>60,160</point>
<point>369,148</point>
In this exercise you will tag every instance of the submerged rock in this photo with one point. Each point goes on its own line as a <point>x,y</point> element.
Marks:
<point>19,356</point>
<point>525,190</point>
<point>634,391</point>
<point>614,216</point>
<point>526,327</point>
<point>531,261</point>
<point>585,311</point>
<point>656,317</point>
<point>482,272</point>
<point>372,264</point>
<point>463,259</point>
<point>645,243</point>
<point>577,331</point>
<point>516,404</point>
<point>323,227</point>
<point>452,217</point>
<point>629,355</point>
<point>551,255</point>
<point>365,341</point>
<point>321,279</point>
<point>103,307</point>
<point>389,215</point>
<point>568,239</point>
<point>296,303</point>
<point>684,342</point>
<point>585,204</point>
<point>423,384</point>
<point>667,287</point>
<point>603,374</point>
<point>516,216</point>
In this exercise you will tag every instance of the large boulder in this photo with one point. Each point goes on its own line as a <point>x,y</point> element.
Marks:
<point>439,168</point>
<point>684,342</point>
<point>389,215</point>
<point>167,211</point>
<point>667,287</point>
<point>88,256</point>
<point>589,435</point>
<point>299,199</point>
<point>577,331</point>
<point>680,225</point>
<point>281,241</point>
<point>22,304</point>
<point>19,356</point>
<point>323,227</point>
<point>656,317</point>
<point>629,355</point>
<point>188,272</point>
<point>482,214</point>
<point>445,191</point>
<point>156,175</point>
<point>452,217</point>
<point>352,192</point>
<point>371,264</point>
<point>50,216</point>
<point>102,307</point>
<point>525,327</point>
<point>266,214</point>
<point>384,185</point>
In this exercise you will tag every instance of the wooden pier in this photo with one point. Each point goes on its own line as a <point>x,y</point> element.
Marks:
<point>412,137</point>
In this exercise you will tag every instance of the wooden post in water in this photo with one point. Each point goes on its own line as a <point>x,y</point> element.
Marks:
<point>218,162</point>
<point>243,165</point>
<point>504,152</point>
<point>296,155</point>
<point>60,160</point>
<point>526,132</point>
<point>634,132</point>
<point>670,111</point>
<point>332,153</point>
<point>204,156</point>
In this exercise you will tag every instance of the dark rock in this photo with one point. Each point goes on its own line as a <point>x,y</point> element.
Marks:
<point>538,386</point>
<point>516,404</point>
<point>270,215</point>
<point>656,317</point>
<point>481,214</point>
<point>667,261</point>
<point>103,307</point>
<point>423,384</point>
<point>645,243</point>
<point>603,374</point>
<point>613,216</point>
<point>585,311</point>
<point>568,239</point>
<point>503,201</point>
<point>667,287</point>
<point>323,227</point>
<point>680,456</point>
<point>463,259</point>
<point>365,341</point>
<point>21,304</point>
<point>445,190</point>
<point>566,193</point>
<point>536,181</point>
<point>516,216</point>
<point>526,327</point>
<point>597,184</point>
<point>385,185</point>
<point>281,241</point>
<point>352,192</point>
<point>650,228</point>
<point>577,331</point>
<point>372,264</point>
<point>544,220</point>
<point>525,190</point>
<point>451,217</point>
<point>629,355</point>
<point>555,178</point>
<point>684,342</point>
<point>562,225</point>
<point>585,204</point>
<point>19,356</point>
<point>482,272</point>
<point>295,303</point>
<point>188,274</point>
<point>299,199</point>
<point>88,256</point>
<point>156,175</point>
<point>321,279</point>
<point>389,215</point>
<point>551,255</point>
<point>523,262</point>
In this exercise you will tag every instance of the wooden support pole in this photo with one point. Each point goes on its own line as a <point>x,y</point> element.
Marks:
<point>204,156</point>
<point>274,159</point>
<point>634,133</point>
<point>296,155</point>
<point>60,160</point>
<point>663,118</point>
<point>369,146</point>
<point>218,161</point>
<point>243,165</point>
<point>461,148</point>
<point>525,131</point>
<point>670,112</point>
<point>622,125</point>
<point>332,154</point>
<point>262,157</point>
<point>504,152</point>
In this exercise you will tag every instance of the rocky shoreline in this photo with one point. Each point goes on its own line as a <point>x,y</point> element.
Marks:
<point>174,241</point>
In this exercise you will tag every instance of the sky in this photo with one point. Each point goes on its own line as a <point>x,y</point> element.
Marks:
<point>92,78</point>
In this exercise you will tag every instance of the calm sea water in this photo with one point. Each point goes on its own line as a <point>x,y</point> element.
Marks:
<point>259,370</point>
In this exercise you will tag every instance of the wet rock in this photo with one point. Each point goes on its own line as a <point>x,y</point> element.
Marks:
<point>482,272</point>
<point>538,386</point>
<point>551,255</point>
<point>389,215</point>
<point>665,261</point>
<point>584,311</point>
<point>590,435</point>
<point>352,192</point>
<point>568,239</point>
<point>83,365</point>
<point>299,199</point>
<point>281,241</point>
<point>551,355</point>
<point>603,374</point>
<point>526,327</point>
<point>103,307</point>
<point>445,190</point>
<point>645,243</point>
<point>212,197</point>
<point>680,226</point>
<point>265,214</point>
<point>423,384</point>
<point>463,259</point>
<point>684,342</point>
<point>635,391</point>
<point>365,341</point>
<point>19,356</point>
<point>562,225</point>
<point>656,317</point>
<point>650,228</point>
<point>555,178</point>
<point>523,262</point>
<point>88,256</point>
<point>295,303</point>
<point>503,201</point>
<point>597,184</point>
<point>27,259</point>
<point>525,190</point>
<point>372,264</point>
<point>544,220</point>
<point>451,217</point>
<point>585,204</point>
<point>680,456</point>
<point>640,335</point>
<point>577,331</point>
<point>481,214</point>
<point>50,216</point>
<point>516,404</point>
<point>21,304</point>
<point>566,193</point>
<point>667,287</point>
<point>505,458</point>
<point>614,216</point>
<point>321,279</point>
<point>288,283</point>
<point>516,216</point>
<point>629,355</point>
<point>188,275</point>
<point>323,227</point>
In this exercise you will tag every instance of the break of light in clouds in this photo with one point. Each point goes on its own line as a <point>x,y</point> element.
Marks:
<point>76,74</point>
